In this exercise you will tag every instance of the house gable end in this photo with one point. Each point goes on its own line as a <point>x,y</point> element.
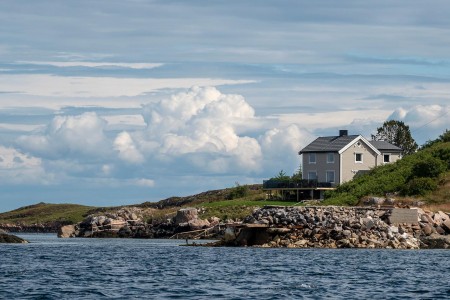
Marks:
<point>365,141</point>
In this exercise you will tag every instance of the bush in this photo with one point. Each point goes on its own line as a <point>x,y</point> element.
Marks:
<point>429,166</point>
<point>238,191</point>
<point>419,186</point>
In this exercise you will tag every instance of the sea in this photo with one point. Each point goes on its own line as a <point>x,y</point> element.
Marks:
<point>53,268</point>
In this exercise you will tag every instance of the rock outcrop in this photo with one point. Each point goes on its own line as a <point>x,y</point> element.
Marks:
<point>338,227</point>
<point>129,222</point>
<point>10,239</point>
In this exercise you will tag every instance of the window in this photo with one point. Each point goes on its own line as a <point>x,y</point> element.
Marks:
<point>330,176</point>
<point>312,175</point>
<point>312,158</point>
<point>330,158</point>
<point>358,158</point>
<point>386,158</point>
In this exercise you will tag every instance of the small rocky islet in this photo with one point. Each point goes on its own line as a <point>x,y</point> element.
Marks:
<point>5,237</point>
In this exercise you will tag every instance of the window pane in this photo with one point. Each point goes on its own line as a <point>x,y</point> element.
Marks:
<point>386,158</point>
<point>330,157</point>
<point>358,157</point>
<point>312,158</point>
<point>312,175</point>
<point>330,176</point>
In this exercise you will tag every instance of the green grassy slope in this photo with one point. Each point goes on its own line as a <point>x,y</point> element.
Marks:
<point>45,213</point>
<point>423,175</point>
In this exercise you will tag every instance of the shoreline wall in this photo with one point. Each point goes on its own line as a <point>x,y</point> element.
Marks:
<point>339,227</point>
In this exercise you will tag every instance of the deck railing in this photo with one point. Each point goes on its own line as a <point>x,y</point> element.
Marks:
<point>292,184</point>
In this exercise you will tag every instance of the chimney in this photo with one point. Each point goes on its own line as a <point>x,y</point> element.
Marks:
<point>343,132</point>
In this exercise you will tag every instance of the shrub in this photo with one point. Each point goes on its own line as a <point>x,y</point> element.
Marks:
<point>238,191</point>
<point>419,186</point>
<point>429,166</point>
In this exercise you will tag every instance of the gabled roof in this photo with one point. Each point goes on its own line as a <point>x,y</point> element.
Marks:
<point>385,146</point>
<point>341,143</point>
<point>328,143</point>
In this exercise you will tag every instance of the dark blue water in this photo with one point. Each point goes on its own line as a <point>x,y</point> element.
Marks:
<point>52,268</point>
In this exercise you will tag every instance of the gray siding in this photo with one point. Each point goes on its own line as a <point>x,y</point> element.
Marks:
<point>321,166</point>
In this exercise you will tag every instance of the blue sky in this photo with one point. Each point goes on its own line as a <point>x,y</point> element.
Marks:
<point>120,102</point>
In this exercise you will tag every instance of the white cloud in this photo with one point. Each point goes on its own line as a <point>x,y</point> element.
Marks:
<point>144,182</point>
<point>281,147</point>
<point>79,137</point>
<point>200,126</point>
<point>19,168</point>
<point>94,64</point>
<point>69,86</point>
<point>127,149</point>
<point>426,122</point>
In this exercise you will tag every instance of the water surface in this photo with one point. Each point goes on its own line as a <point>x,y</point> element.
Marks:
<point>52,268</point>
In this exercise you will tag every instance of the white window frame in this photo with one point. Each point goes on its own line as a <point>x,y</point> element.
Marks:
<point>315,158</point>
<point>359,161</point>
<point>334,176</point>
<point>309,177</point>
<point>330,154</point>
<point>389,156</point>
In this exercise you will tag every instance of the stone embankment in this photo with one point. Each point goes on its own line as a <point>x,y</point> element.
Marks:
<point>341,227</point>
<point>129,222</point>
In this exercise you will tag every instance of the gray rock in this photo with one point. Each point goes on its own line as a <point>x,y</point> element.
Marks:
<point>185,215</point>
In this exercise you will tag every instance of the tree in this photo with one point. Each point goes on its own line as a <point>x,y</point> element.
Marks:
<point>398,134</point>
<point>299,175</point>
<point>281,176</point>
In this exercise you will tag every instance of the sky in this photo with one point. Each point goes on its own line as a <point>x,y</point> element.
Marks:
<point>119,102</point>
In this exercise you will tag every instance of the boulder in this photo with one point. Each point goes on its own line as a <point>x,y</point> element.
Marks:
<point>185,215</point>
<point>213,221</point>
<point>11,239</point>
<point>446,226</point>
<point>67,231</point>
<point>436,241</point>
<point>374,201</point>
<point>427,229</point>
<point>198,224</point>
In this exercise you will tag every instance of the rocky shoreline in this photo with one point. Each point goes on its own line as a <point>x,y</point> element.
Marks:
<point>339,227</point>
<point>129,223</point>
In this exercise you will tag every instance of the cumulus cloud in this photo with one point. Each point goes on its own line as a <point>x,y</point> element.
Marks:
<point>124,144</point>
<point>19,168</point>
<point>200,126</point>
<point>426,122</point>
<point>78,137</point>
<point>281,147</point>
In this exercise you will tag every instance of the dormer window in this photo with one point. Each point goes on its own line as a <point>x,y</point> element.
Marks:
<point>312,158</point>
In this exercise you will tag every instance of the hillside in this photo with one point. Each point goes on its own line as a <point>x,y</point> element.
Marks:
<point>43,213</point>
<point>423,176</point>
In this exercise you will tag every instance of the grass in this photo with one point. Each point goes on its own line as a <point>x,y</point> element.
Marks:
<point>45,213</point>
<point>238,208</point>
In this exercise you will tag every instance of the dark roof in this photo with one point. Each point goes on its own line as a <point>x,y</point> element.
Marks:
<point>385,146</point>
<point>329,143</point>
<point>336,143</point>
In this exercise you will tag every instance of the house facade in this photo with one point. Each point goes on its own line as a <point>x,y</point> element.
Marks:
<point>337,159</point>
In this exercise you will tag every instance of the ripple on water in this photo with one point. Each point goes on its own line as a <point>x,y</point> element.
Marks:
<point>51,268</point>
